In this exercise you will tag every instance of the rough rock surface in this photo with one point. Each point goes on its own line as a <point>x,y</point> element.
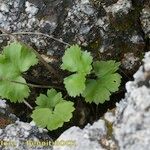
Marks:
<point>15,134</point>
<point>6,116</point>
<point>116,29</point>
<point>109,29</point>
<point>132,123</point>
<point>87,138</point>
<point>145,20</point>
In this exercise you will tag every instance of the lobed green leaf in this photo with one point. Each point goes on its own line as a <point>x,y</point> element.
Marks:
<point>75,84</point>
<point>42,116</point>
<point>101,68</point>
<point>107,82</point>
<point>15,92</point>
<point>15,59</point>
<point>75,60</point>
<point>20,56</point>
<point>78,62</point>
<point>52,111</point>
<point>50,100</point>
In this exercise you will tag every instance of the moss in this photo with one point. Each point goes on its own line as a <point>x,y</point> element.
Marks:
<point>95,44</point>
<point>109,129</point>
<point>125,22</point>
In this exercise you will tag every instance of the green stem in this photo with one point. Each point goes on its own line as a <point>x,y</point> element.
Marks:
<point>36,86</point>
<point>33,85</point>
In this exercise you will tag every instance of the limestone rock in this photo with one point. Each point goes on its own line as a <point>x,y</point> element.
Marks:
<point>131,128</point>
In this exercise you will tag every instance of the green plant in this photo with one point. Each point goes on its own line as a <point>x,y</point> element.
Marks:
<point>79,63</point>
<point>15,59</point>
<point>94,90</point>
<point>52,110</point>
<point>99,90</point>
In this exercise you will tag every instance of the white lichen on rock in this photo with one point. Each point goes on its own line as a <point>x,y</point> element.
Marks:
<point>31,9</point>
<point>23,136</point>
<point>121,7</point>
<point>2,103</point>
<point>88,138</point>
<point>145,20</point>
<point>131,128</point>
<point>129,60</point>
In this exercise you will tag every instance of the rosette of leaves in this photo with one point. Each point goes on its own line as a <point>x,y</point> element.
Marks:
<point>79,63</point>
<point>15,59</point>
<point>99,90</point>
<point>52,110</point>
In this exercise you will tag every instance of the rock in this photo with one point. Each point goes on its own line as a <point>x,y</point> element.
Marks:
<point>94,137</point>
<point>78,139</point>
<point>6,116</point>
<point>127,129</point>
<point>114,29</point>
<point>129,61</point>
<point>15,134</point>
<point>131,127</point>
<point>109,29</point>
<point>24,136</point>
<point>120,7</point>
<point>3,104</point>
<point>23,16</point>
<point>145,20</point>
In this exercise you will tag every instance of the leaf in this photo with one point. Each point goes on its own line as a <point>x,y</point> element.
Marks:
<point>7,70</point>
<point>75,60</point>
<point>42,116</point>
<point>62,110</point>
<point>61,115</point>
<point>98,91</point>
<point>54,123</point>
<point>52,111</point>
<point>14,91</point>
<point>75,84</point>
<point>20,55</point>
<point>15,59</point>
<point>55,97</point>
<point>50,100</point>
<point>101,68</point>
<point>42,101</point>
<point>79,62</point>
<point>8,89</point>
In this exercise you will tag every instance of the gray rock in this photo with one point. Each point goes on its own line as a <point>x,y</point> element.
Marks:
<point>145,20</point>
<point>15,134</point>
<point>3,104</point>
<point>78,139</point>
<point>109,29</point>
<point>6,116</point>
<point>24,136</point>
<point>131,129</point>
<point>106,28</point>
<point>129,61</point>
<point>132,123</point>
<point>120,7</point>
<point>21,15</point>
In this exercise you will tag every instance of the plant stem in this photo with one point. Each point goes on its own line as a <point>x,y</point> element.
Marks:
<point>49,67</point>
<point>26,103</point>
<point>42,34</point>
<point>35,85</point>
<point>36,33</point>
